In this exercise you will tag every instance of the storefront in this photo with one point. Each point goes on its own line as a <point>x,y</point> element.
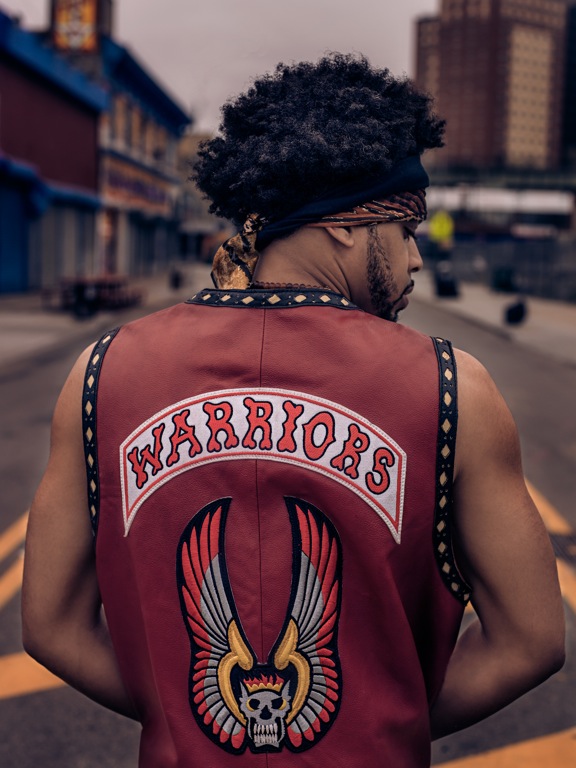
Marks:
<point>138,228</point>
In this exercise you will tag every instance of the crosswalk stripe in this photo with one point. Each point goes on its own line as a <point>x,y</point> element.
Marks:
<point>557,525</point>
<point>567,578</point>
<point>557,751</point>
<point>11,581</point>
<point>20,675</point>
<point>553,520</point>
<point>13,536</point>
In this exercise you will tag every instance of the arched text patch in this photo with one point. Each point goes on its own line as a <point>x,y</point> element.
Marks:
<point>269,424</point>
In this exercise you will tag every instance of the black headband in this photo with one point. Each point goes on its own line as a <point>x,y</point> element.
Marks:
<point>405,176</point>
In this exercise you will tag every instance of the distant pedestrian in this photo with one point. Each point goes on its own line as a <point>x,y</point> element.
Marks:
<point>176,279</point>
<point>293,497</point>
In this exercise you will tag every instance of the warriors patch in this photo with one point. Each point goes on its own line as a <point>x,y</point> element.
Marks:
<point>271,425</point>
<point>292,699</point>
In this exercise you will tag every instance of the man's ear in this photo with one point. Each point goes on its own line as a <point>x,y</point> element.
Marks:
<point>344,235</point>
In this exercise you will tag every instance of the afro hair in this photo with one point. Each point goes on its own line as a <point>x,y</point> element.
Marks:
<point>301,130</point>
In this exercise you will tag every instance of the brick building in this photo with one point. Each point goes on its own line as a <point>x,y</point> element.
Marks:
<point>496,70</point>
<point>138,140</point>
<point>48,163</point>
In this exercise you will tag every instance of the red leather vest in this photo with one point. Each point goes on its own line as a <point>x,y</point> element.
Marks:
<point>270,484</point>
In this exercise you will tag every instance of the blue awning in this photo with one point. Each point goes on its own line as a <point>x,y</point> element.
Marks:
<point>41,193</point>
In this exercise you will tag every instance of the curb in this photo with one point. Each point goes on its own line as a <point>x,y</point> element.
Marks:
<point>497,330</point>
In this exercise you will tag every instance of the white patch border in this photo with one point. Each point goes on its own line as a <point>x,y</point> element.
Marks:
<point>222,394</point>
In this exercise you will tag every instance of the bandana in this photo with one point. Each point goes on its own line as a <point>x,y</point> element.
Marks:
<point>236,259</point>
<point>409,206</point>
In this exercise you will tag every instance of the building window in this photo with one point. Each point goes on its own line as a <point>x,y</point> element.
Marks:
<point>119,117</point>
<point>127,124</point>
<point>136,127</point>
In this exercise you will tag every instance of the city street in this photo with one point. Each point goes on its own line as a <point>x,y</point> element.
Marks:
<point>134,137</point>
<point>44,723</point>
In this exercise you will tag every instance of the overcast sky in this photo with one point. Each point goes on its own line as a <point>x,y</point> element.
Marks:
<point>204,51</point>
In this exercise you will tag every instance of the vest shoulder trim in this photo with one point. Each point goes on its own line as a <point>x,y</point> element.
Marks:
<point>271,298</point>
<point>89,394</point>
<point>445,454</point>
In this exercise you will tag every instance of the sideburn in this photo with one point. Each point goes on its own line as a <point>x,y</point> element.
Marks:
<point>381,283</point>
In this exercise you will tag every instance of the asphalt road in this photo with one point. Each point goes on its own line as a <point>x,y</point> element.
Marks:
<point>58,728</point>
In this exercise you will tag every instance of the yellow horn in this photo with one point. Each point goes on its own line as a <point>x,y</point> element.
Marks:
<point>239,654</point>
<point>287,654</point>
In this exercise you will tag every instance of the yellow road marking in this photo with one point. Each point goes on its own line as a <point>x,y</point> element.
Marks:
<point>557,525</point>
<point>20,674</point>
<point>557,751</point>
<point>567,578</point>
<point>13,536</point>
<point>553,520</point>
<point>11,581</point>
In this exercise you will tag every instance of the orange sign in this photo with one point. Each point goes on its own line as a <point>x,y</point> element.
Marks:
<point>75,25</point>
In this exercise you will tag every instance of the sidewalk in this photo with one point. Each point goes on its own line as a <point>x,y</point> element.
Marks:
<point>550,326</point>
<point>28,332</point>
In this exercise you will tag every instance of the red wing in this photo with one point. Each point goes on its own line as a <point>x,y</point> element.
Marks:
<point>209,610</point>
<point>315,610</point>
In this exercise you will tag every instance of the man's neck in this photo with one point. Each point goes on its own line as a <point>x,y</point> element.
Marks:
<point>299,261</point>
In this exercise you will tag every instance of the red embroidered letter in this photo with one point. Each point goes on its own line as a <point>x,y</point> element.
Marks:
<point>356,444</point>
<point>147,457</point>
<point>293,413</point>
<point>382,458</point>
<point>183,432</point>
<point>219,415</point>
<point>325,420</point>
<point>259,412</point>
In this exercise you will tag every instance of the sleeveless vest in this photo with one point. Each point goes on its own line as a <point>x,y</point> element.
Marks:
<point>270,482</point>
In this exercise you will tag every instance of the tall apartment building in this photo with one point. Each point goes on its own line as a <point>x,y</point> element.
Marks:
<point>569,134</point>
<point>496,70</point>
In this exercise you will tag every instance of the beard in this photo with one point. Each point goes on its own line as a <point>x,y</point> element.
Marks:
<point>381,284</point>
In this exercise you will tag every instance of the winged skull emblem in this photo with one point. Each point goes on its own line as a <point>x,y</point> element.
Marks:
<point>293,698</point>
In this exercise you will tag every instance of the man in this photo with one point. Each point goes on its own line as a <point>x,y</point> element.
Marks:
<point>292,496</point>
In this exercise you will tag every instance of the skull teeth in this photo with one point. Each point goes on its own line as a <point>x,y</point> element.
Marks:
<point>265,734</point>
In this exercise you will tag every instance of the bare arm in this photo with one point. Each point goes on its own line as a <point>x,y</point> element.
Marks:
<point>517,640</point>
<point>63,624</point>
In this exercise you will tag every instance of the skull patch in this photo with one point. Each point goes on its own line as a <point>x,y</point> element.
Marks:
<point>293,699</point>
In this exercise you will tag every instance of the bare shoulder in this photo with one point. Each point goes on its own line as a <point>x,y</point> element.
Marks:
<point>62,489</point>
<point>476,387</point>
<point>74,384</point>
<point>487,433</point>
<point>488,468</point>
